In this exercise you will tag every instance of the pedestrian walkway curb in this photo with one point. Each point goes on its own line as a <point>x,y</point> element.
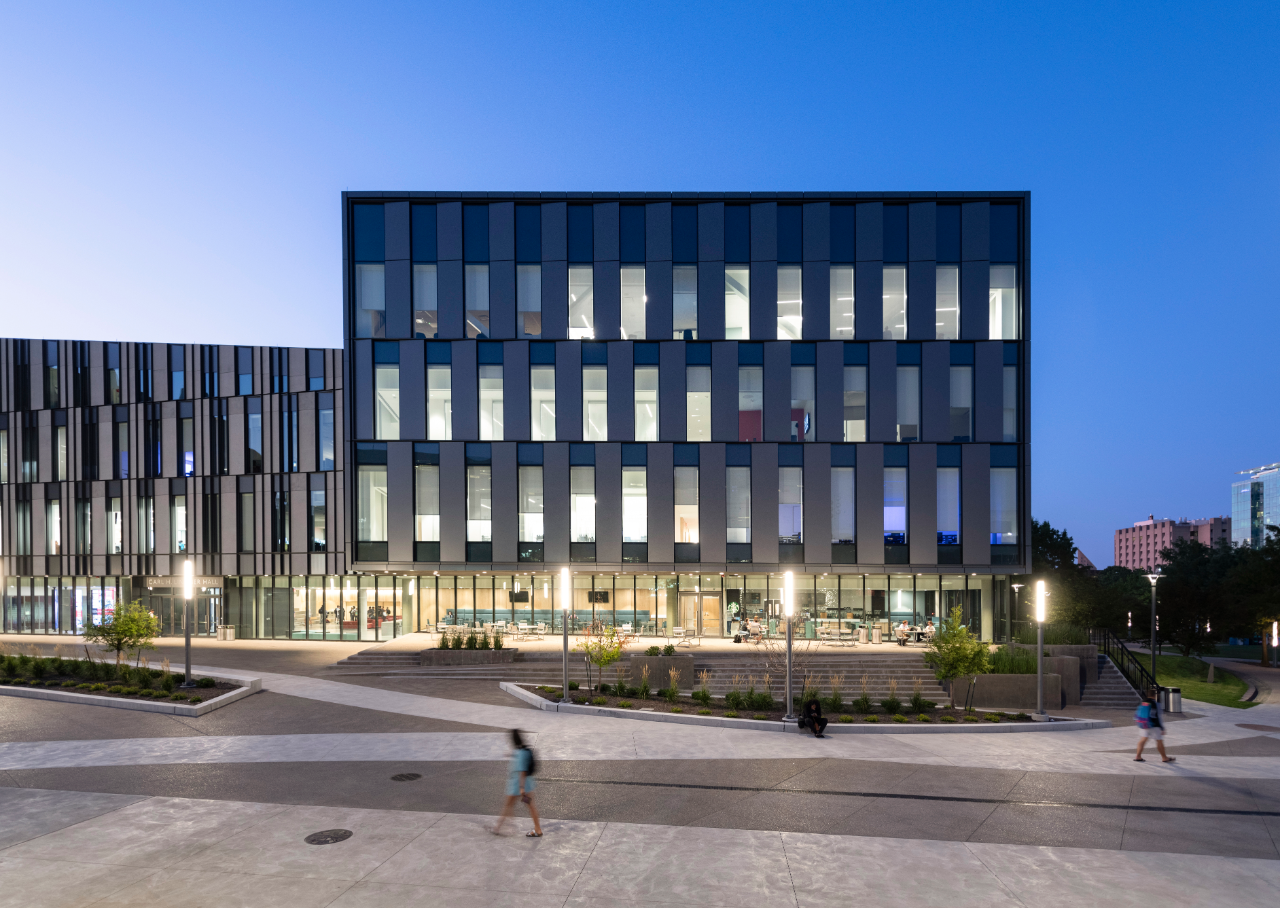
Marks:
<point>891,728</point>
<point>250,686</point>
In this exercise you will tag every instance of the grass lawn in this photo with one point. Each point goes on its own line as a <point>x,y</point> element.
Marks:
<point>1252,653</point>
<point>1192,676</point>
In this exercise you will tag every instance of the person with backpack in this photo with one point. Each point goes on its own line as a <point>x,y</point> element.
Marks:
<point>520,785</point>
<point>1151,728</point>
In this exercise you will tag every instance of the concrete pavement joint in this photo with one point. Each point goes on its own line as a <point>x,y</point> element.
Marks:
<point>904,796</point>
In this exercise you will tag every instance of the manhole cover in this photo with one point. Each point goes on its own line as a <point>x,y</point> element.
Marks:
<point>406,777</point>
<point>1257,727</point>
<point>328,836</point>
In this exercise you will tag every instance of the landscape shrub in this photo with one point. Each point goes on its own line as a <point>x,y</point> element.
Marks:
<point>891,705</point>
<point>846,719</point>
<point>625,704</point>
<point>206,682</point>
<point>483,641</point>
<point>731,714</point>
<point>734,699</point>
<point>573,685</point>
<point>599,701</point>
<point>1006,661</point>
<point>669,649</point>
<point>653,651</point>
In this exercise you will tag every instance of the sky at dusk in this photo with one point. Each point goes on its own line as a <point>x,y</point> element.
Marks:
<point>172,172</point>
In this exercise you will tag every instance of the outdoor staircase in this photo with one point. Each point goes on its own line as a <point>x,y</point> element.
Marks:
<point>547,668</point>
<point>1111,691</point>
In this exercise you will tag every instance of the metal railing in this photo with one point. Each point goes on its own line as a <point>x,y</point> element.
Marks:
<point>1137,674</point>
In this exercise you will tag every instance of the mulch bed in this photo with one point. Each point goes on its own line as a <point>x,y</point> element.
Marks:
<point>189,696</point>
<point>717,707</point>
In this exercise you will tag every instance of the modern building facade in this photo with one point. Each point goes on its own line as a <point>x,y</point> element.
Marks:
<point>678,397</point>
<point>1255,505</point>
<point>1139,546</point>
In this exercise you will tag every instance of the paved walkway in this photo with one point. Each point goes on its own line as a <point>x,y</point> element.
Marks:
<point>567,737</point>
<point>75,848</point>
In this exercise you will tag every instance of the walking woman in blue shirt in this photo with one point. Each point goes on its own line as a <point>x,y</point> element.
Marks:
<point>520,785</point>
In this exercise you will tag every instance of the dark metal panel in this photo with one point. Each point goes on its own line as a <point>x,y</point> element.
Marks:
<point>449,231</point>
<point>829,380</point>
<point>817,504</point>
<point>975,503</point>
<point>922,503</point>
<point>466,392</point>
<point>935,391</point>
<point>817,232</point>
<point>399,501</point>
<point>453,501</point>
<point>710,233</point>
<point>868,243</point>
<point>622,410</point>
<point>609,503</point>
<point>657,232</point>
<point>606,236</point>
<point>399,299</point>
<point>657,287</point>
<point>660,475</point>
<point>764,300</point>
<point>868,300</point>
<point>515,391</point>
<point>816,292</point>
<point>449,298</point>
<point>569,392</point>
<point>506,519</point>
<point>502,300</point>
<point>869,481</point>
<point>922,291</point>
<point>975,301</point>
<point>364,391</point>
<point>671,392</point>
<point>712,502</point>
<point>882,392</point>
<point>502,236</point>
<point>764,232</point>
<point>724,391</point>
<point>988,391</point>
<point>413,391</point>
<point>396,230</point>
<point>608,299</point>
<point>555,300</point>
<point>555,494</point>
<point>710,300</point>
<point>975,231</point>
<point>777,391</point>
<point>555,234</point>
<point>922,231</point>
<point>764,503</point>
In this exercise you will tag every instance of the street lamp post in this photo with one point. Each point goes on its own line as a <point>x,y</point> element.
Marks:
<point>566,591</point>
<point>1040,594</point>
<point>1154,578</point>
<point>188,584</point>
<point>1017,601</point>
<point>788,609</point>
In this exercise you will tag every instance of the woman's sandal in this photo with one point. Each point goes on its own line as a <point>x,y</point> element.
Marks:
<point>1170,760</point>
<point>1139,760</point>
<point>533,835</point>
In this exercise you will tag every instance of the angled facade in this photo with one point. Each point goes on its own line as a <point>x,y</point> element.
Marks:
<point>679,397</point>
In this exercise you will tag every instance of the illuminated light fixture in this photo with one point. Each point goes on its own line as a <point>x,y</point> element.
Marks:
<point>788,594</point>
<point>188,579</point>
<point>1040,596</point>
<point>565,589</point>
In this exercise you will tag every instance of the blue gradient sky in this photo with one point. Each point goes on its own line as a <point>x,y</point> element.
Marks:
<point>172,173</point>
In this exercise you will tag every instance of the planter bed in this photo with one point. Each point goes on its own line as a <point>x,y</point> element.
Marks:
<point>194,696</point>
<point>686,705</point>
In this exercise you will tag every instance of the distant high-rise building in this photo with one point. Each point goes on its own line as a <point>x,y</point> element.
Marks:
<point>1139,546</point>
<point>1255,505</point>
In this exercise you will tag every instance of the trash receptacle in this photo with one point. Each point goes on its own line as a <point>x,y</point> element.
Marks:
<point>875,635</point>
<point>226,632</point>
<point>1175,699</point>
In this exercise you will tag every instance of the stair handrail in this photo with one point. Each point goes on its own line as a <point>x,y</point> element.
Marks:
<point>1137,674</point>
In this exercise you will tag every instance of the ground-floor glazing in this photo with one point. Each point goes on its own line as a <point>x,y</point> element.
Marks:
<point>382,607</point>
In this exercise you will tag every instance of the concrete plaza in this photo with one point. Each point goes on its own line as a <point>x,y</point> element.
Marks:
<point>109,807</point>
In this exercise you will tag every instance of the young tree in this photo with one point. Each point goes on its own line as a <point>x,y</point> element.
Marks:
<point>131,628</point>
<point>601,650</point>
<point>955,653</point>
